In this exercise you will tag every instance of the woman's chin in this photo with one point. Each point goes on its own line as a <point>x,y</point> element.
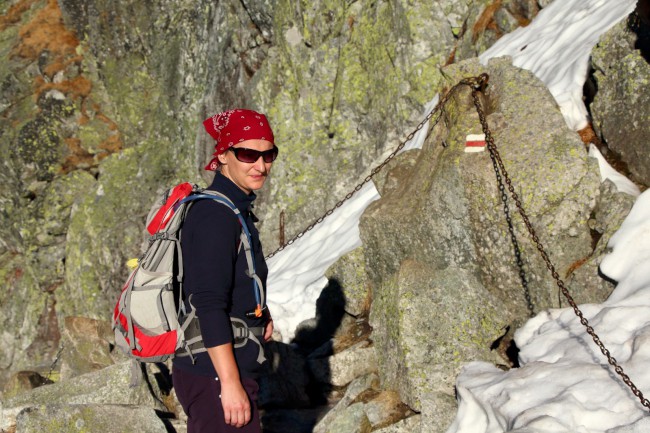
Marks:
<point>256,183</point>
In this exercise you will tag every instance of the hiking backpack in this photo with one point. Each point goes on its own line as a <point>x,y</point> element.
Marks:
<point>150,320</point>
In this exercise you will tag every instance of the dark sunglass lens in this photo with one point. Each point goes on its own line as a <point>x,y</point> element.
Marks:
<point>251,155</point>
<point>270,155</point>
<point>247,155</point>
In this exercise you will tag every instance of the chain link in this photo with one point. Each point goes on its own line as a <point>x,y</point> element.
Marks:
<point>477,85</point>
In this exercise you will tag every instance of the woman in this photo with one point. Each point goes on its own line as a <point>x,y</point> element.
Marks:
<point>218,390</point>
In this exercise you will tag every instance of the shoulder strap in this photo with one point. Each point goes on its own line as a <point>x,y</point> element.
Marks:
<point>246,241</point>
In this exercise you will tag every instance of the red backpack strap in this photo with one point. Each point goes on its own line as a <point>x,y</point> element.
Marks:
<point>166,211</point>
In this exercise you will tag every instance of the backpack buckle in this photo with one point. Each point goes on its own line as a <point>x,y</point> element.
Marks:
<point>257,312</point>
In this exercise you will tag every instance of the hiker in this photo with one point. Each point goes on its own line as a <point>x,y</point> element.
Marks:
<point>218,391</point>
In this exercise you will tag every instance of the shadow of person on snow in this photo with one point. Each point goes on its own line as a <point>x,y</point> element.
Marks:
<point>295,389</point>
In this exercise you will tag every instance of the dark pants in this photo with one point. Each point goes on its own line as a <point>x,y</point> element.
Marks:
<point>199,396</point>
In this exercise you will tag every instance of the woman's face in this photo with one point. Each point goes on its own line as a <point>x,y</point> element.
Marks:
<point>248,176</point>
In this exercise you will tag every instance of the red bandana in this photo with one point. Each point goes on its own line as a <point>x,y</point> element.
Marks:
<point>234,126</point>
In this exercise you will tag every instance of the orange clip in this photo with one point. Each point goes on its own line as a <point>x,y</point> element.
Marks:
<point>258,311</point>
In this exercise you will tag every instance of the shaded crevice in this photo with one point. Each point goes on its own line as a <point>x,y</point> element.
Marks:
<point>639,23</point>
<point>590,89</point>
<point>595,234</point>
<point>589,135</point>
<point>255,22</point>
<point>506,347</point>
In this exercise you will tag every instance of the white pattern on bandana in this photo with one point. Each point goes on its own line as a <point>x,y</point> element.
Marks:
<point>221,120</point>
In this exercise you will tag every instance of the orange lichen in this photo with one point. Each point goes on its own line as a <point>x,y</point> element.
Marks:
<point>452,57</point>
<point>111,125</point>
<point>575,265</point>
<point>351,21</point>
<point>78,156</point>
<point>112,144</point>
<point>77,87</point>
<point>46,32</point>
<point>44,38</point>
<point>588,135</point>
<point>15,13</point>
<point>60,65</point>
<point>486,21</point>
<point>83,118</point>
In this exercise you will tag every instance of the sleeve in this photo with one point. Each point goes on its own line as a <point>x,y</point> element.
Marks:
<point>209,242</point>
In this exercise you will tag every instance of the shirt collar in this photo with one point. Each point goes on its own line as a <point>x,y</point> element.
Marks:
<point>226,186</point>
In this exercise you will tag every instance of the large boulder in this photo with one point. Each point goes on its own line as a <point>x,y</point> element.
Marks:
<point>621,106</point>
<point>57,418</point>
<point>88,345</point>
<point>446,284</point>
<point>109,386</point>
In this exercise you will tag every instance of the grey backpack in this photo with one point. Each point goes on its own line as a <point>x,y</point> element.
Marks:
<point>150,320</point>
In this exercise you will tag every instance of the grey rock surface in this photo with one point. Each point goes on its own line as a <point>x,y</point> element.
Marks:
<point>621,106</point>
<point>56,418</point>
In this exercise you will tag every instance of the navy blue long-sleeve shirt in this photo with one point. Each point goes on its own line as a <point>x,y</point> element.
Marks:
<point>214,275</point>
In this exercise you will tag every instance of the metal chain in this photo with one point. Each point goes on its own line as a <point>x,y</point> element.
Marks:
<point>513,236</point>
<point>375,170</point>
<point>506,210</point>
<point>477,85</point>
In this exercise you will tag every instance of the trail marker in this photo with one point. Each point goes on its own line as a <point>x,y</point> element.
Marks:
<point>475,143</point>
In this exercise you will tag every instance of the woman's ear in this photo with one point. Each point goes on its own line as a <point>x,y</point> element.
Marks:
<point>222,158</point>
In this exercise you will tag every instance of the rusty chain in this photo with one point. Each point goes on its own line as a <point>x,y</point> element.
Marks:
<point>513,237</point>
<point>478,85</point>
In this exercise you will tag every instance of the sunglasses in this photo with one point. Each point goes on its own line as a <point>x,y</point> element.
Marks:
<point>251,155</point>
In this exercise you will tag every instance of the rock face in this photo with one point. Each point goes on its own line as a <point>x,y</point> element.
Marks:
<point>621,108</point>
<point>101,106</point>
<point>318,85</point>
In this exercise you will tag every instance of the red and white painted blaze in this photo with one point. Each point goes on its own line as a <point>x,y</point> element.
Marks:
<point>475,143</point>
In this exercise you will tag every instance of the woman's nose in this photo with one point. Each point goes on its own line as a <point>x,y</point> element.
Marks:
<point>259,165</point>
